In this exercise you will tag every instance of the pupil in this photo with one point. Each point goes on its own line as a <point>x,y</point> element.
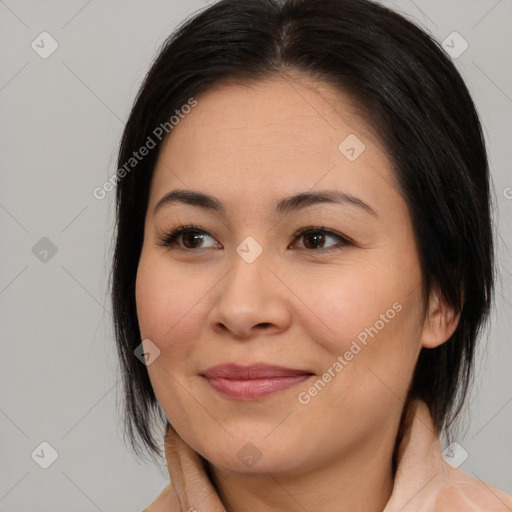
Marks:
<point>317,236</point>
<point>192,235</point>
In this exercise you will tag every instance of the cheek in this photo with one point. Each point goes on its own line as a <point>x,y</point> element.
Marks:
<point>349,301</point>
<point>369,316</point>
<point>168,307</point>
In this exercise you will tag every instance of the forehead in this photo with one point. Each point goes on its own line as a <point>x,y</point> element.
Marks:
<point>270,139</point>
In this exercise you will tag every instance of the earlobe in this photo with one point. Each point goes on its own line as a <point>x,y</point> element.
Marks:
<point>440,322</point>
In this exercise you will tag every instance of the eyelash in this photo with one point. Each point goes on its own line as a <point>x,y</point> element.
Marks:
<point>169,239</point>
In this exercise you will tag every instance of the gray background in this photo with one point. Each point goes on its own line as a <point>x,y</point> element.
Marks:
<point>62,118</point>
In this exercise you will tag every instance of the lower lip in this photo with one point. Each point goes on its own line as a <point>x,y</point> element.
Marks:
<point>251,389</point>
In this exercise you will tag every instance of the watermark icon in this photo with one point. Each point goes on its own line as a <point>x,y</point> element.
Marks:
<point>158,133</point>
<point>507,192</point>
<point>44,455</point>
<point>147,352</point>
<point>249,249</point>
<point>44,45</point>
<point>249,455</point>
<point>455,45</point>
<point>44,250</point>
<point>455,455</point>
<point>304,397</point>
<point>352,147</point>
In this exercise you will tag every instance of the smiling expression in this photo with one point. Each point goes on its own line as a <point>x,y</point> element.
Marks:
<point>249,168</point>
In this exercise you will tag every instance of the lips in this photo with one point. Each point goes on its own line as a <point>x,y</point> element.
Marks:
<point>252,382</point>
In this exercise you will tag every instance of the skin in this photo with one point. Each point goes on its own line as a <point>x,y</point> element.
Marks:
<point>249,146</point>
<point>424,482</point>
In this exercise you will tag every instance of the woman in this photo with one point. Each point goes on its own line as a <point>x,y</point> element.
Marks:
<point>304,261</point>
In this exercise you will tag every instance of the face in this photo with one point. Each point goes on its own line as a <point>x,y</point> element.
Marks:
<point>337,307</point>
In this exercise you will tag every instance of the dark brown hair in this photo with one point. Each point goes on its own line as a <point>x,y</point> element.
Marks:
<point>413,97</point>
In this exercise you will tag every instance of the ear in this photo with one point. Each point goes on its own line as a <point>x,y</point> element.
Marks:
<point>440,322</point>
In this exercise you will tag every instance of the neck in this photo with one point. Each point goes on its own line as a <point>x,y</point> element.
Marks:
<point>358,481</point>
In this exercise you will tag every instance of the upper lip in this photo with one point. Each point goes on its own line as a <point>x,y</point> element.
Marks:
<point>255,371</point>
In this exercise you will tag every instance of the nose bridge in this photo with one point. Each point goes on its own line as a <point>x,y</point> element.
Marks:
<point>249,266</point>
<point>249,295</point>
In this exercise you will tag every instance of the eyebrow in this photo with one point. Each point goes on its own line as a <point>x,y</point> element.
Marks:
<point>283,206</point>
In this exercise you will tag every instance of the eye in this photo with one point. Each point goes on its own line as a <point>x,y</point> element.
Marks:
<point>314,236</point>
<point>191,237</point>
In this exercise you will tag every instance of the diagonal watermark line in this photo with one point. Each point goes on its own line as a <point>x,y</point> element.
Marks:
<point>492,81</point>
<point>81,491</point>
<point>13,279</point>
<point>14,218</point>
<point>301,300</point>
<point>398,398</point>
<point>92,92</point>
<point>198,301</point>
<point>85,289</point>
<point>213,491</point>
<point>424,14</point>
<point>15,75</point>
<point>386,386</point>
<point>490,490</point>
<point>197,401</point>
<point>74,218</point>
<point>14,14</point>
<point>75,15</point>
<point>14,485</point>
<point>290,81</point>
<point>314,185</point>
<point>106,393</point>
<point>487,423</point>
<point>417,494</point>
<point>14,423</point>
<point>299,94</point>
<point>280,423</point>
<point>187,186</point>
<point>287,492</point>
<point>486,14</point>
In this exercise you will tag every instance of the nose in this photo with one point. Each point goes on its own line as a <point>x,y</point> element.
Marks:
<point>251,301</point>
